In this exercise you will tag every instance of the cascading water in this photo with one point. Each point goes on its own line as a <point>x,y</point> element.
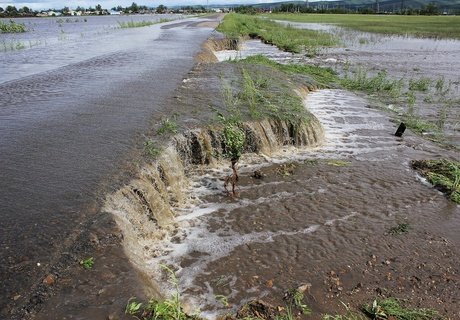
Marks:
<point>147,208</point>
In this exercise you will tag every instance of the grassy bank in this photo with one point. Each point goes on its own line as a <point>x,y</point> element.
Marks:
<point>284,37</point>
<point>418,26</point>
<point>443,174</point>
<point>320,76</point>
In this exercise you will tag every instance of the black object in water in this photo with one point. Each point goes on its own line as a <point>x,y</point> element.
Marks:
<point>401,129</point>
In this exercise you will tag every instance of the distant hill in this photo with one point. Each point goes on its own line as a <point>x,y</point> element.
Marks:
<point>449,6</point>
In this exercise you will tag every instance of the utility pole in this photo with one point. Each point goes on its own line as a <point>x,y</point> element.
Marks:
<point>377,6</point>
<point>402,6</point>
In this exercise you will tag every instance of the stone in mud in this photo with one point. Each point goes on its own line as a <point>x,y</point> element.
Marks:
<point>49,280</point>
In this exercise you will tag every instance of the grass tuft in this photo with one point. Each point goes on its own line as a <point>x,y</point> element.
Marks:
<point>12,27</point>
<point>399,229</point>
<point>443,174</point>
<point>391,308</point>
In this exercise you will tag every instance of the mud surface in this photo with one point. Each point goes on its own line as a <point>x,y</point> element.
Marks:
<point>66,135</point>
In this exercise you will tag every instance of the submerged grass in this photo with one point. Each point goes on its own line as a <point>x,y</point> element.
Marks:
<point>399,229</point>
<point>139,24</point>
<point>443,174</point>
<point>286,38</point>
<point>12,27</point>
<point>418,26</point>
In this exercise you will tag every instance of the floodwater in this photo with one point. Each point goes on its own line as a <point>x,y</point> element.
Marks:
<point>319,217</point>
<point>401,57</point>
<point>312,216</point>
<point>71,112</point>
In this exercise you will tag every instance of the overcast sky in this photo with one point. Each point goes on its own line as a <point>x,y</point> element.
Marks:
<point>45,4</point>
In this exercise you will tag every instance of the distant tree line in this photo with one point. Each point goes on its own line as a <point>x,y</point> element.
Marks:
<point>12,11</point>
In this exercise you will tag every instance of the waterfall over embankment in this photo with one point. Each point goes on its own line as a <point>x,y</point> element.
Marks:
<point>145,209</point>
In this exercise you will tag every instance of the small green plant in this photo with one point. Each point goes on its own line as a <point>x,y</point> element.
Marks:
<point>422,84</point>
<point>297,299</point>
<point>151,149</point>
<point>133,307</point>
<point>87,263</point>
<point>391,308</point>
<point>168,309</point>
<point>222,299</point>
<point>12,27</point>
<point>234,138</point>
<point>399,229</point>
<point>167,127</point>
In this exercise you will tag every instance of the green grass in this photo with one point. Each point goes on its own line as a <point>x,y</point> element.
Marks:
<point>391,308</point>
<point>286,38</point>
<point>422,84</point>
<point>87,263</point>
<point>399,229</point>
<point>443,174</point>
<point>139,24</point>
<point>418,26</point>
<point>167,126</point>
<point>323,76</point>
<point>380,83</point>
<point>167,309</point>
<point>12,27</point>
<point>151,149</point>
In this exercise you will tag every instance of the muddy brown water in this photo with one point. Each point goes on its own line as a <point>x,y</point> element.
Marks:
<point>67,133</point>
<point>319,216</point>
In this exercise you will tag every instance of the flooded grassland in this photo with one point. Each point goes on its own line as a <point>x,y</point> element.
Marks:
<point>326,200</point>
<point>343,215</point>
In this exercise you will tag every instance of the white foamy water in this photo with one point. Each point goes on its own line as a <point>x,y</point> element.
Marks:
<point>352,130</point>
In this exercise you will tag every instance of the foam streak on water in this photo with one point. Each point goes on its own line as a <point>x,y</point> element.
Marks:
<point>344,116</point>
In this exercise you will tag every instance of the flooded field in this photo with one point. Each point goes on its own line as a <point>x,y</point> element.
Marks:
<point>319,215</point>
<point>51,43</point>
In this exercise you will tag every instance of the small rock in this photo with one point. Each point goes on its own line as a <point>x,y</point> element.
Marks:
<point>305,287</point>
<point>49,280</point>
<point>16,297</point>
<point>257,174</point>
<point>112,316</point>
